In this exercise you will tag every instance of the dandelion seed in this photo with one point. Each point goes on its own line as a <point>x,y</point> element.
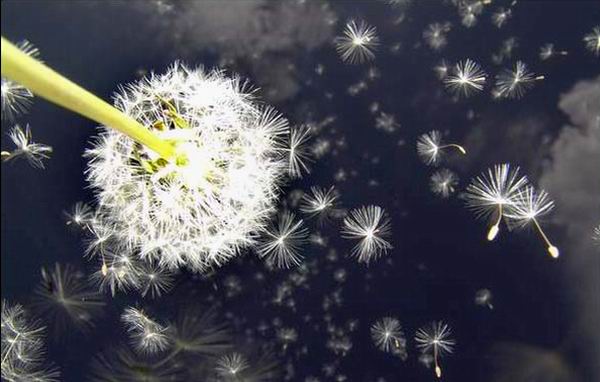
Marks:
<point>435,339</point>
<point>147,336</point>
<point>505,51</point>
<point>435,35</point>
<point>23,347</point>
<point>319,201</point>
<point>528,206</point>
<point>199,332</point>
<point>387,334</point>
<point>443,182</point>
<point>202,211</point>
<point>153,279</point>
<point>298,151</point>
<point>465,78</point>
<point>80,215</point>
<point>35,153</point>
<point>547,51</point>
<point>123,364</point>
<point>63,297</point>
<point>118,272</point>
<point>483,297</point>
<point>358,44</point>
<point>283,241</point>
<point>287,336</point>
<point>386,122</point>
<point>501,16</point>
<point>430,147</point>
<point>515,83</point>
<point>371,226</point>
<point>230,365</point>
<point>490,194</point>
<point>592,41</point>
<point>16,99</point>
<point>442,69</point>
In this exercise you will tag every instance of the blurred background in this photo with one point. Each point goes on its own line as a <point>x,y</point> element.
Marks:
<point>366,119</point>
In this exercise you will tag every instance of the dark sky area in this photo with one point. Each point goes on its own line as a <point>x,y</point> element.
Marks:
<point>544,325</point>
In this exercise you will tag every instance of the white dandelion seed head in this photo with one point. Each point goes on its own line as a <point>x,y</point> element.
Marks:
<point>499,186</point>
<point>299,153</point>
<point>501,16</point>
<point>528,204</point>
<point>436,336</point>
<point>358,43</point>
<point>592,41</point>
<point>465,78</point>
<point>428,147</point>
<point>231,365</point>
<point>35,153</point>
<point>443,182</point>
<point>282,241</point>
<point>203,210</point>
<point>515,83</point>
<point>147,336</point>
<point>372,227</point>
<point>435,35</point>
<point>16,99</point>
<point>387,334</point>
<point>319,201</point>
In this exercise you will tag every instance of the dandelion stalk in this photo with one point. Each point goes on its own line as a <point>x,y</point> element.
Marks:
<point>454,145</point>
<point>493,232</point>
<point>552,250</point>
<point>48,84</point>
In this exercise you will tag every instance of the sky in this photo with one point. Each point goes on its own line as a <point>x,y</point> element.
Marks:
<point>544,322</point>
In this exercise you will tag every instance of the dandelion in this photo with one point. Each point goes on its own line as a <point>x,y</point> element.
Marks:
<point>298,152</point>
<point>465,78</point>
<point>483,297</point>
<point>430,147</point>
<point>35,153</point>
<point>319,201</point>
<point>147,336</point>
<point>63,297</point>
<point>201,210</point>
<point>80,215</point>
<point>435,35</point>
<point>230,365</point>
<point>490,194</point>
<point>371,226</point>
<point>505,51</point>
<point>16,99</point>
<point>282,242</point>
<point>358,43</point>
<point>515,83</point>
<point>435,339</point>
<point>23,347</point>
<point>469,10</point>
<point>547,51</point>
<point>387,334</point>
<point>528,206</point>
<point>443,182</point>
<point>592,41</point>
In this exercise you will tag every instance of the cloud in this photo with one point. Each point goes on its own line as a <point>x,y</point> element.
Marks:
<point>573,180</point>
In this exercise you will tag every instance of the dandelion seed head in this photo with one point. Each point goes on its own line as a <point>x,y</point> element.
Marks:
<point>387,334</point>
<point>428,147</point>
<point>35,153</point>
<point>592,41</point>
<point>358,43</point>
<point>371,226</point>
<point>436,335</point>
<point>443,182</point>
<point>201,211</point>
<point>281,243</point>
<point>515,83</point>
<point>466,78</point>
